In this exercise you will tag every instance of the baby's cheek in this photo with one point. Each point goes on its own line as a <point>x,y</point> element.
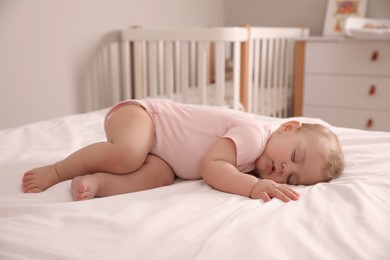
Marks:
<point>257,164</point>
<point>259,168</point>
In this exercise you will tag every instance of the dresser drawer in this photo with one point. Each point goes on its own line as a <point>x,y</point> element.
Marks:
<point>362,119</point>
<point>348,92</point>
<point>348,57</point>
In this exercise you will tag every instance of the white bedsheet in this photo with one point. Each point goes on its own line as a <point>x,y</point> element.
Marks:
<point>347,218</point>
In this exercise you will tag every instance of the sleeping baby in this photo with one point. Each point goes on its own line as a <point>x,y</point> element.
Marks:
<point>151,142</point>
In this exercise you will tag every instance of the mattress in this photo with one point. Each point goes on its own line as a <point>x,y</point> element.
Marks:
<point>347,218</point>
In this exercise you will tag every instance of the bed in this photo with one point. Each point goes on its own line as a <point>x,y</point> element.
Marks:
<point>347,218</point>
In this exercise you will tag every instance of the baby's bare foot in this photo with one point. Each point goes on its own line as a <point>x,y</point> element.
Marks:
<point>39,179</point>
<point>85,187</point>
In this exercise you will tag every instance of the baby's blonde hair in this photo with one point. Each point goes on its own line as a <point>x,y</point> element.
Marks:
<point>332,152</point>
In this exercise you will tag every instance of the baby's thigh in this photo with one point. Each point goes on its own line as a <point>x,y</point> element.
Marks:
<point>131,127</point>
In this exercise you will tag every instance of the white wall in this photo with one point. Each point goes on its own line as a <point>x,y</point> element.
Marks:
<point>307,13</point>
<point>53,53</point>
<point>50,48</point>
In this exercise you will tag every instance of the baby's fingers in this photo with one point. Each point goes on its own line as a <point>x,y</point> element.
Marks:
<point>278,193</point>
<point>283,193</point>
<point>290,193</point>
<point>264,196</point>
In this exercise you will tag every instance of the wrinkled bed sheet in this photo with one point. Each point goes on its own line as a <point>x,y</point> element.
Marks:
<point>348,218</point>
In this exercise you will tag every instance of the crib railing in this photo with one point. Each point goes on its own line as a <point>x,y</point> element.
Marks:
<point>269,89</point>
<point>189,65</point>
<point>180,63</point>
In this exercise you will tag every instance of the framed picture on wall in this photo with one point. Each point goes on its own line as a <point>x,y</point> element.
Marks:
<point>338,11</point>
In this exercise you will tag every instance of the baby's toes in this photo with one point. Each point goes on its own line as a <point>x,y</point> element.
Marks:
<point>28,176</point>
<point>84,195</point>
<point>34,190</point>
<point>28,184</point>
<point>30,187</point>
<point>82,188</point>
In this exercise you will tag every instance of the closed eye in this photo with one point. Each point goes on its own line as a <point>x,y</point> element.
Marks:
<point>293,159</point>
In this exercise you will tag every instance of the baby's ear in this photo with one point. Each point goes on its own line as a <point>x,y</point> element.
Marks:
<point>290,125</point>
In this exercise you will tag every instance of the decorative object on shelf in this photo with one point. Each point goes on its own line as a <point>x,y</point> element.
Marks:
<point>359,27</point>
<point>338,11</point>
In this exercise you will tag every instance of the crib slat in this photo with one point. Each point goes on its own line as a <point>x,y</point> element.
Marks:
<point>289,72</point>
<point>274,78</point>
<point>161,81</point>
<point>263,75</point>
<point>192,64</point>
<point>152,69</point>
<point>236,75</point>
<point>220,73</point>
<point>256,71</point>
<point>270,86</point>
<point>282,79</point>
<point>168,66</point>
<point>125,49</point>
<point>202,71</point>
<point>248,73</point>
<point>184,71</point>
<point>276,93</point>
<point>177,88</point>
<point>139,70</point>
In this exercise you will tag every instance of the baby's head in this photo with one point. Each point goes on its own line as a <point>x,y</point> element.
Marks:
<point>330,150</point>
<point>301,154</point>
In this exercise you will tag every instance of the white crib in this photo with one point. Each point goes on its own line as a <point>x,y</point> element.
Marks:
<point>246,68</point>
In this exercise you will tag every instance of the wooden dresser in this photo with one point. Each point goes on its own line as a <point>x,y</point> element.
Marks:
<point>345,82</point>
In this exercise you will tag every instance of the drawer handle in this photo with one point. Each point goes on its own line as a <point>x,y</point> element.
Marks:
<point>369,123</point>
<point>372,90</point>
<point>375,55</point>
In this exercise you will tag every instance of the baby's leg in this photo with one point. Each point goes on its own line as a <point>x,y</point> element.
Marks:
<point>154,173</point>
<point>130,136</point>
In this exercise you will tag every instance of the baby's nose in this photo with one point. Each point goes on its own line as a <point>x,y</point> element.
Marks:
<point>284,169</point>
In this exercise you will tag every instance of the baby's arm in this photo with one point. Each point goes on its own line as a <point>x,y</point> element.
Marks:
<point>219,171</point>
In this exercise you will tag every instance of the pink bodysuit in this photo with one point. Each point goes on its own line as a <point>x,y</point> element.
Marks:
<point>184,134</point>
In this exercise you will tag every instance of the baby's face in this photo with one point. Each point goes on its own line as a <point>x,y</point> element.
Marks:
<point>291,157</point>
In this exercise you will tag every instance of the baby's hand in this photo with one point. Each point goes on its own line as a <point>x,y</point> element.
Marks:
<point>266,189</point>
